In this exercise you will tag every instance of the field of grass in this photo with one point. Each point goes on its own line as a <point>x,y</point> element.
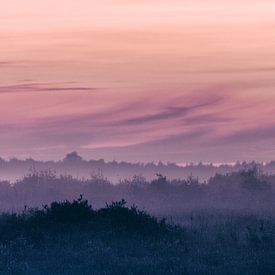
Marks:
<point>73,238</point>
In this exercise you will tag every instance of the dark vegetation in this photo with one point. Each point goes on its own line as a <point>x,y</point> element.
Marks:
<point>223,226</point>
<point>73,238</point>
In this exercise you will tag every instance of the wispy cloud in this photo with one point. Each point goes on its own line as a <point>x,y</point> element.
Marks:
<point>6,63</point>
<point>44,87</point>
<point>167,114</point>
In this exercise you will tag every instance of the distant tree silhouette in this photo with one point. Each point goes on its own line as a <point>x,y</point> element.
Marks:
<point>73,156</point>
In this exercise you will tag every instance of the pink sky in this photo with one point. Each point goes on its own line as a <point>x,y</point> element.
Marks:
<point>137,80</point>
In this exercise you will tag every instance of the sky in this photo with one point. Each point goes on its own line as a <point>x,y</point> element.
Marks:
<point>179,80</point>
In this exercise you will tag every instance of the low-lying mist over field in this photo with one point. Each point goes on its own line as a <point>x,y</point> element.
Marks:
<point>241,187</point>
<point>74,165</point>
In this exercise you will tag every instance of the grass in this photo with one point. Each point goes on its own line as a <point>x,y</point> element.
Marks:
<point>73,238</point>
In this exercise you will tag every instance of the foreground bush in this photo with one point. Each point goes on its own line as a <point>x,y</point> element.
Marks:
<point>73,238</point>
<point>65,216</point>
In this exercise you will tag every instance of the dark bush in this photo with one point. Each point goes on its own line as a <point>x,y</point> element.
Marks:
<point>60,216</point>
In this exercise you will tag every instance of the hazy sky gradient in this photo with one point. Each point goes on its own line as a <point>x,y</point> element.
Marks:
<point>138,80</point>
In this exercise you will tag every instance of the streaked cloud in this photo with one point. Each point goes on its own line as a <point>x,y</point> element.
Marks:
<point>43,87</point>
